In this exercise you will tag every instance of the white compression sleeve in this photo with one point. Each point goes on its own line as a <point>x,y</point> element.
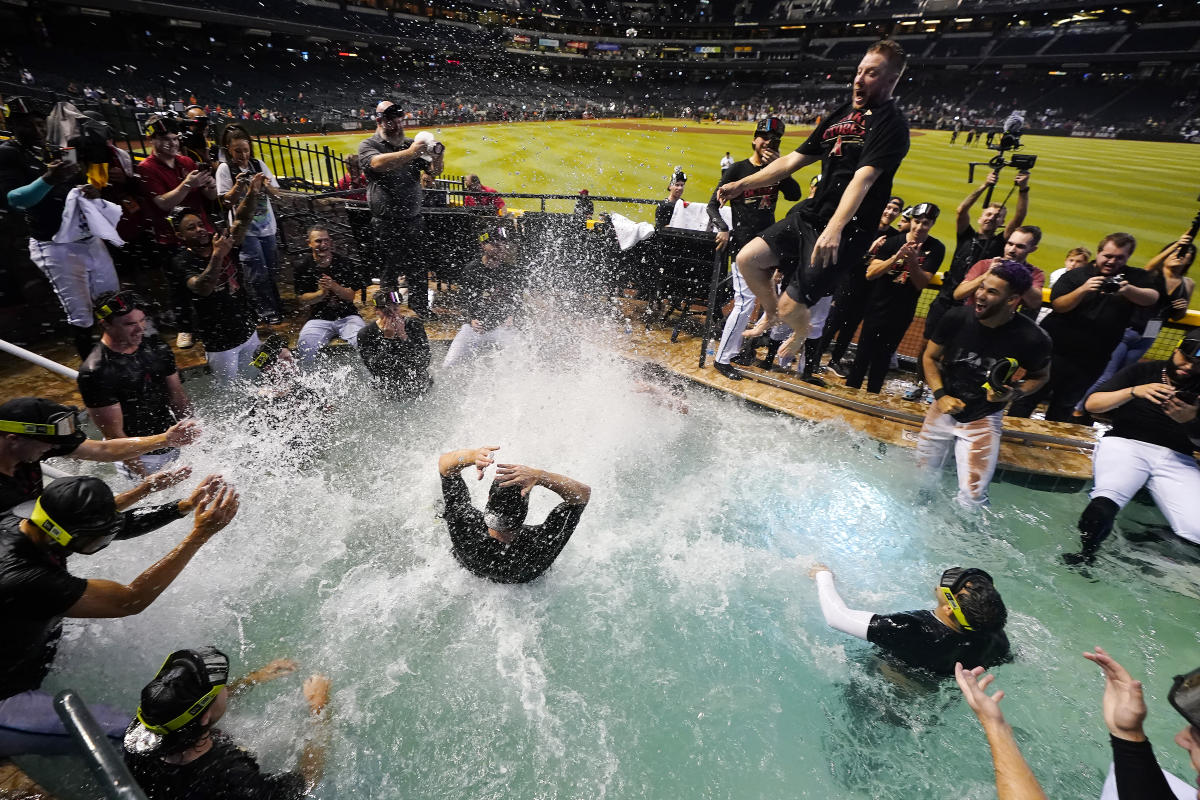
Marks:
<point>837,616</point>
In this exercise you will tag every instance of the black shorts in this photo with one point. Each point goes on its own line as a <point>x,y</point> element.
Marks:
<point>792,239</point>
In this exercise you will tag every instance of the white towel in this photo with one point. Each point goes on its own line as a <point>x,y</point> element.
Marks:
<point>82,218</point>
<point>629,232</point>
<point>694,216</point>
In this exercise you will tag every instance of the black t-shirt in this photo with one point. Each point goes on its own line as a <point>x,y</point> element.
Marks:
<point>399,366</point>
<point>893,295</point>
<point>342,270</point>
<point>491,293</point>
<point>971,349</point>
<point>25,483</point>
<point>35,591</point>
<point>754,211</point>
<point>970,247</point>
<point>1091,330</point>
<point>136,380</point>
<point>224,319</point>
<point>394,194</point>
<point>663,213</point>
<point>1142,420</point>
<point>848,139</point>
<point>20,167</point>
<point>919,639</point>
<point>528,555</point>
<point>225,772</point>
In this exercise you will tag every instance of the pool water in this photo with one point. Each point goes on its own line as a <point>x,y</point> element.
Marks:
<point>676,648</point>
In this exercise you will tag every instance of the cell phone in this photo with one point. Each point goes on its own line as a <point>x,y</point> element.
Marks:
<point>69,156</point>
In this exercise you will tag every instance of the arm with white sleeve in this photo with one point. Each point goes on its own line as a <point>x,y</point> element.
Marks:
<point>837,614</point>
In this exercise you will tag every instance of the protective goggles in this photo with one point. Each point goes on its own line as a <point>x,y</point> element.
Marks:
<point>64,423</point>
<point>121,303</point>
<point>1000,374</point>
<point>499,233</point>
<point>1185,697</point>
<point>925,211</point>
<point>94,538</point>
<point>952,582</point>
<point>213,665</point>
<point>387,299</point>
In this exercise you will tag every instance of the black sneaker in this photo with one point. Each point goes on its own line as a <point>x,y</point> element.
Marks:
<point>838,368</point>
<point>745,358</point>
<point>727,370</point>
<point>814,380</point>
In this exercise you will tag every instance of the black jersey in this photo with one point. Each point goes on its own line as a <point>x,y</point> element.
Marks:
<point>225,772</point>
<point>970,247</point>
<point>137,380</point>
<point>528,555</point>
<point>894,295</point>
<point>399,366</point>
<point>754,211</point>
<point>919,639</point>
<point>1144,421</point>
<point>1091,330</point>
<point>342,270</point>
<point>223,316</point>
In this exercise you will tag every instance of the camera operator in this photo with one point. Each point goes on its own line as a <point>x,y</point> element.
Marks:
<point>1153,406</point>
<point>1091,308</point>
<point>393,164</point>
<point>753,212</point>
<point>78,271</point>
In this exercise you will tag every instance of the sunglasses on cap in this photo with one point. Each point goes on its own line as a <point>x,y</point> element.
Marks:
<point>94,539</point>
<point>391,112</point>
<point>120,303</point>
<point>924,211</point>
<point>953,580</point>
<point>1185,697</point>
<point>213,665</point>
<point>771,127</point>
<point>1190,347</point>
<point>64,423</point>
<point>387,299</point>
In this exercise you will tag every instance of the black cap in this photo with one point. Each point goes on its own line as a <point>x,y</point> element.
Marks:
<point>41,412</point>
<point>117,304</point>
<point>162,124</point>
<point>926,211</point>
<point>506,508</point>
<point>26,107</point>
<point>80,502</point>
<point>177,697</point>
<point>1191,344</point>
<point>770,128</point>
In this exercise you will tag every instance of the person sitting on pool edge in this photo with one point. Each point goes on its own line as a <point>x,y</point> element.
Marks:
<point>495,543</point>
<point>967,626</point>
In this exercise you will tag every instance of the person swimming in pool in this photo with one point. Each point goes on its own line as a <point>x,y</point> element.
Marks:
<point>496,543</point>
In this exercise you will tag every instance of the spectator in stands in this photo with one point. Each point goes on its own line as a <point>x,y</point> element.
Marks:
<point>1076,257</point>
<point>1021,242</point>
<point>172,180</point>
<point>129,383</point>
<point>664,210</point>
<point>969,362</point>
<point>193,138</point>
<point>217,284</point>
<point>432,196</point>
<point>326,283</point>
<point>496,543</point>
<point>259,251</point>
<point>78,514</point>
<point>1138,775</point>
<point>971,247</point>
<point>173,749</point>
<point>1172,263</point>
<point>901,269</point>
<point>392,164</point>
<point>395,349</point>
<point>1014,779</point>
<point>753,212</point>
<point>354,179</point>
<point>860,145</point>
<point>967,625</point>
<point>78,269</point>
<point>1092,307</point>
<point>492,290</point>
<point>490,201</point>
<point>726,161</point>
<point>33,429</point>
<point>1152,406</point>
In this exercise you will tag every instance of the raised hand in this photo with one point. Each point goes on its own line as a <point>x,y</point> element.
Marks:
<point>182,433</point>
<point>1123,705</point>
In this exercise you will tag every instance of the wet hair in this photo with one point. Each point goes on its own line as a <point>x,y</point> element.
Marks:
<point>508,503</point>
<point>1080,251</point>
<point>1124,241</point>
<point>1032,230</point>
<point>313,228</point>
<point>893,52</point>
<point>982,605</point>
<point>1015,274</point>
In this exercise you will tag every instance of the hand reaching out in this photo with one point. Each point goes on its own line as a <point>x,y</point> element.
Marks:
<point>1124,707</point>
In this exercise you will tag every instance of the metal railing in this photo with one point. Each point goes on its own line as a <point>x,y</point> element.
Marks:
<point>102,758</point>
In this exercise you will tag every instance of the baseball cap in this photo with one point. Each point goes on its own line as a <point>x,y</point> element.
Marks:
<point>78,512</point>
<point>387,108</point>
<point>925,210</point>
<point>117,304</point>
<point>42,419</point>
<point>186,685</point>
<point>1191,344</point>
<point>161,125</point>
<point>770,128</point>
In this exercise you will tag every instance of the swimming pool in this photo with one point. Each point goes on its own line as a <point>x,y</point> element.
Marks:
<point>676,648</point>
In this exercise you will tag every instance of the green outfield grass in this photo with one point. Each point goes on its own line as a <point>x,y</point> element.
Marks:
<point>1081,188</point>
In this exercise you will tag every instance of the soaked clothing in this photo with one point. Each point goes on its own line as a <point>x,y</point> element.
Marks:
<point>25,483</point>
<point>527,556</point>
<point>976,448</point>
<point>399,366</point>
<point>1138,775</point>
<point>919,639</point>
<point>492,293</point>
<point>1144,421</point>
<point>136,380</point>
<point>754,210</point>
<point>225,772</point>
<point>224,319</point>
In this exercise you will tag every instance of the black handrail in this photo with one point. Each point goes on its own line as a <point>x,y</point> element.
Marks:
<point>103,760</point>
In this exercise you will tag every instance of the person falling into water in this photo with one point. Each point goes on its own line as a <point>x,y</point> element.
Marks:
<point>495,543</point>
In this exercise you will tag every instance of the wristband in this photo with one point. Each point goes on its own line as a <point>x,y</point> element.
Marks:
<point>938,394</point>
<point>1022,191</point>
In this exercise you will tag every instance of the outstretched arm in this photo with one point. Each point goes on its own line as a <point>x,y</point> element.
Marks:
<point>837,615</point>
<point>1014,779</point>
<point>570,490</point>
<point>455,461</point>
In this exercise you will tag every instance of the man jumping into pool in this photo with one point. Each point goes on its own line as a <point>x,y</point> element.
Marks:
<point>495,543</point>
<point>967,626</point>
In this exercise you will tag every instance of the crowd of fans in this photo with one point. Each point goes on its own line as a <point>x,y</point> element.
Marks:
<point>204,208</point>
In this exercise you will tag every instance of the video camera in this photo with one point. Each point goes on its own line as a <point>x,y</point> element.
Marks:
<point>1010,140</point>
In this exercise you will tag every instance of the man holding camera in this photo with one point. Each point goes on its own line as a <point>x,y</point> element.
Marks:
<point>393,165</point>
<point>1153,408</point>
<point>1092,307</point>
<point>32,182</point>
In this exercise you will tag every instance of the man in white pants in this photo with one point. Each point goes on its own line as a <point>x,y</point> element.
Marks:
<point>492,290</point>
<point>1153,408</point>
<point>326,283</point>
<point>753,211</point>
